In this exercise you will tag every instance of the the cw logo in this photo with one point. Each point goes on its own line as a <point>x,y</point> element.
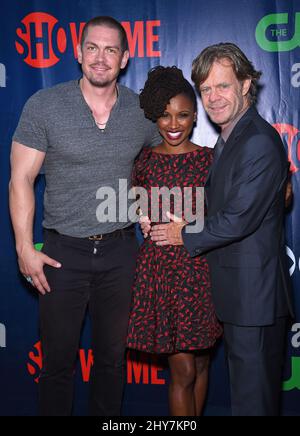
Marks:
<point>291,138</point>
<point>294,380</point>
<point>268,27</point>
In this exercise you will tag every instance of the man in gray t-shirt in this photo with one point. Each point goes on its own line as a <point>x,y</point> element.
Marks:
<point>86,133</point>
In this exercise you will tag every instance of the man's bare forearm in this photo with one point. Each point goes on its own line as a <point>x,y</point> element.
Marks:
<point>22,207</point>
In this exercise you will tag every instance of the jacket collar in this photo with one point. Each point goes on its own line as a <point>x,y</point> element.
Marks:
<point>234,135</point>
<point>242,124</point>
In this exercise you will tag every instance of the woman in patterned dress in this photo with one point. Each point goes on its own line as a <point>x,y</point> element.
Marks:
<point>172,311</point>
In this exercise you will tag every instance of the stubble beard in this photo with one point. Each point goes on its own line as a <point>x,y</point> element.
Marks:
<point>99,82</point>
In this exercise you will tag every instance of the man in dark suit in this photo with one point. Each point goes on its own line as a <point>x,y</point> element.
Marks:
<point>243,232</point>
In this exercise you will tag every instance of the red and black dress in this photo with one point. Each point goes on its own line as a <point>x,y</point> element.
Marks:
<point>172,308</point>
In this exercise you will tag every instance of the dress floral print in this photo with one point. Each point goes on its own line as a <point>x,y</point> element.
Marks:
<point>172,308</point>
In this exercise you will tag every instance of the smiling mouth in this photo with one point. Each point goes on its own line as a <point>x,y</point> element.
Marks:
<point>218,109</point>
<point>98,68</point>
<point>174,135</point>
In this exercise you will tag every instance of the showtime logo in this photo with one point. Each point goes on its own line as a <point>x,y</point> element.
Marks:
<point>291,137</point>
<point>41,41</point>
<point>35,365</point>
<point>139,370</point>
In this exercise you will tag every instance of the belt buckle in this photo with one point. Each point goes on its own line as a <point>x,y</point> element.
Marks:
<point>96,238</point>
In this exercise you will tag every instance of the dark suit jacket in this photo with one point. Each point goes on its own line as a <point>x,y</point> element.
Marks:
<point>243,232</point>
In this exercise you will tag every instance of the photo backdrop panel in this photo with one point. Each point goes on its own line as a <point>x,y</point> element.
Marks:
<point>38,42</point>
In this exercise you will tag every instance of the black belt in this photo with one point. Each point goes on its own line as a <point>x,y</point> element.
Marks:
<point>100,237</point>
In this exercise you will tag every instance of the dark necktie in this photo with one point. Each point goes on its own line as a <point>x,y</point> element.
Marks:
<point>218,149</point>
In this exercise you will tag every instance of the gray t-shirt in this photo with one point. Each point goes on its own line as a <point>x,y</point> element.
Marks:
<point>80,158</point>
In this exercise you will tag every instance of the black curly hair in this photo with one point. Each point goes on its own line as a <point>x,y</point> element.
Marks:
<point>162,84</point>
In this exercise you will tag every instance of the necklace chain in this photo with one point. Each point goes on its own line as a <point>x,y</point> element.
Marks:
<point>100,125</point>
<point>97,122</point>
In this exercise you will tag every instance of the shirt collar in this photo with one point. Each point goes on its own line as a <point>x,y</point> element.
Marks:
<point>227,131</point>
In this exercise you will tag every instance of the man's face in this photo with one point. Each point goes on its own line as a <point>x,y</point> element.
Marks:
<point>101,56</point>
<point>223,96</point>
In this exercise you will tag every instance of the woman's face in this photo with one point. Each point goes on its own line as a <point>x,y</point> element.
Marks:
<point>176,123</point>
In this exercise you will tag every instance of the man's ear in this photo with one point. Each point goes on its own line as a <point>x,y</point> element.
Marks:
<point>246,86</point>
<point>124,59</point>
<point>79,53</point>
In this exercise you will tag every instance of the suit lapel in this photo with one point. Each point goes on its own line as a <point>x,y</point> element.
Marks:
<point>230,143</point>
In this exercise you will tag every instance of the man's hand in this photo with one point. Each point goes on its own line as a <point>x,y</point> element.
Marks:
<point>31,263</point>
<point>145,224</point>
<point>168,234</point>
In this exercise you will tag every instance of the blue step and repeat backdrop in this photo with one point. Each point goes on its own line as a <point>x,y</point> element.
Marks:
<point>38,40</point>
